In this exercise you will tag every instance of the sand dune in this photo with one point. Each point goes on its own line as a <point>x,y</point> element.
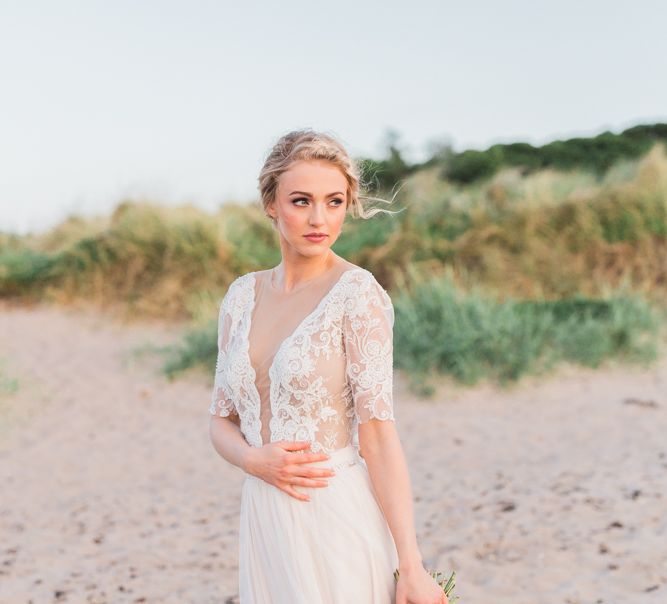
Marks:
<point>554,491</point>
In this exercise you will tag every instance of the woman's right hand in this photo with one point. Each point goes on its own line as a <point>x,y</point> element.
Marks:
<point>281,464</point>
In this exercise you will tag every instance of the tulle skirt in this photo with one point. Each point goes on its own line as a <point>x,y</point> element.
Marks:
<point>334,549</point>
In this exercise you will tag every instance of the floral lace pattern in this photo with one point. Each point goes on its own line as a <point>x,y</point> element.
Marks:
<point>331,374</point>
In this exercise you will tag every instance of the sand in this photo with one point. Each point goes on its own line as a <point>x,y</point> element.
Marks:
<point>554,491</point>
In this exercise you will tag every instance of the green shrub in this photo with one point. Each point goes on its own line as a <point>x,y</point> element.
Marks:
<point>23,270</point>
<point>440,330</point>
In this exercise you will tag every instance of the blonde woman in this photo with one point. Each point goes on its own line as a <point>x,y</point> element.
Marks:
<point>302,402</point>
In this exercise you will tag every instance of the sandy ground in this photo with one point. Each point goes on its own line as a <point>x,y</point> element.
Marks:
<point>554,491</point>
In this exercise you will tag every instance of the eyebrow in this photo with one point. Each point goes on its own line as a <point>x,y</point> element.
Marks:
<point>309,195</point>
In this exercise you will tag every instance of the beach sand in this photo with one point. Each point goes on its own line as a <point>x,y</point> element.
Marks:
<point>553,491</point>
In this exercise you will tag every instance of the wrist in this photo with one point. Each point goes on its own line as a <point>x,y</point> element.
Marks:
<point>247,459</point>
<point>410,565</point>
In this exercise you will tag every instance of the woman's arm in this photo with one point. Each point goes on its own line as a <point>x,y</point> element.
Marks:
<point>388,471</point>
<point>382,450</point>
<point>276,463</point>
<point>368,337</point>
<point>228,441</point>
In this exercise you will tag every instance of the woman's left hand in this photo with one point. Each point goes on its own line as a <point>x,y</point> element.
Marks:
<point>418,587</point>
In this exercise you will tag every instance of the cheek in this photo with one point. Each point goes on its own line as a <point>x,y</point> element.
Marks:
<point>292,218</point>
<point>339,218</point>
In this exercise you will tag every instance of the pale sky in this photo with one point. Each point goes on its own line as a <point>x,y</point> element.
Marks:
<point>180,101</point>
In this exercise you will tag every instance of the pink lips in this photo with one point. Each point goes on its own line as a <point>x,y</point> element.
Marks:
<point>316,238</point>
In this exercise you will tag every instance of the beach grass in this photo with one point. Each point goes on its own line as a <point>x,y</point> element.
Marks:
<point>497,278</point>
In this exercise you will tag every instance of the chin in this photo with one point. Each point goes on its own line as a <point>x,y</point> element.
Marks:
<point>317,251</point>
<point>314,250</point>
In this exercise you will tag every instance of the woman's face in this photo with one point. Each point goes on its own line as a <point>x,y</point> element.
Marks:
<point>311,198</point>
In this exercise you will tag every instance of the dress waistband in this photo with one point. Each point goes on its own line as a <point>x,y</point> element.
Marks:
<point>338,459</point>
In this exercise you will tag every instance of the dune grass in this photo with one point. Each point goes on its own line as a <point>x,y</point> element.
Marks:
<point>526,269</point>
<point>198,348</point>
<point>471,337</point>
<point>545,235</point>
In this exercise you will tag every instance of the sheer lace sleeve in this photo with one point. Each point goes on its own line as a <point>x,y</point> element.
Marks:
<point>221,401</point>
<point>368,335</point>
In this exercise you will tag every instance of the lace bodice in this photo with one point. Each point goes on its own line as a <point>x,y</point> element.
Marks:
<point>316,381</point>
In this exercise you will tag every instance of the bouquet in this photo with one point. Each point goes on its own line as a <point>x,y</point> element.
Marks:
<point>447,586</point>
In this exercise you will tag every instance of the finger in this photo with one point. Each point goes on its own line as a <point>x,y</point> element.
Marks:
<point>301,458</point>
<point>310,457</point>
<point>296,494</point>
<point>308,482</point>
<point>315,472</point>
<point>318,457</point>
<point>295,445</point>
<point>300,471</point>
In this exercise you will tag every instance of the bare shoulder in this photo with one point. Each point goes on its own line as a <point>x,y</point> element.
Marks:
<point>348,265</point>
<point>355,271</point>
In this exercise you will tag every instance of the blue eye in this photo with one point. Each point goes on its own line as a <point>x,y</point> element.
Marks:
<point>340,201</point>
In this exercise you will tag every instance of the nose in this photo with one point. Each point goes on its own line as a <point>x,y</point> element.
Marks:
<point>316,214</point>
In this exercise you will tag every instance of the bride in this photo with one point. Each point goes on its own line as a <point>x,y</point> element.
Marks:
<point>303,403</point>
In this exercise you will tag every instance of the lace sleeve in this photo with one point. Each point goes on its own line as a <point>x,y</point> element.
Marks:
<point>221,401</point>
<point>368,336</point>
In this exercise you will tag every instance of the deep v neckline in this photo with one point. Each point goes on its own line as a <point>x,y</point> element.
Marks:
<point>253,374</point>
<point>303,322</point>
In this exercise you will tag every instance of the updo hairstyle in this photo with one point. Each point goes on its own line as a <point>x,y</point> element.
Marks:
<point>307,144</point>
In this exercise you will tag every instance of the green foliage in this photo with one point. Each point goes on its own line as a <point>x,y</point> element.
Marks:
<point>387,173</point>
<point>623,219</point>
<point>596,153</point>
<point>252,237</point>
<point>149,257</point>
<point>470,337</point>
<point>198,347</point>
<point>519,154</point>
<point>370,234</point>
<point>23,270</point>
<point>439,329</point>
<point>471,165</point>
<point>550,244</point>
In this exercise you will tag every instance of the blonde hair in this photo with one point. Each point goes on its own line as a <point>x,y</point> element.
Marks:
<point>307,144</point>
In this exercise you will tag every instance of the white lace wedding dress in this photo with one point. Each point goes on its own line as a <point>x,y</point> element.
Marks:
<point>310,365</point>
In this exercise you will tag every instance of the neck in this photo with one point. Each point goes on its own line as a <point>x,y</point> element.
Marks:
<point>290,274</point>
